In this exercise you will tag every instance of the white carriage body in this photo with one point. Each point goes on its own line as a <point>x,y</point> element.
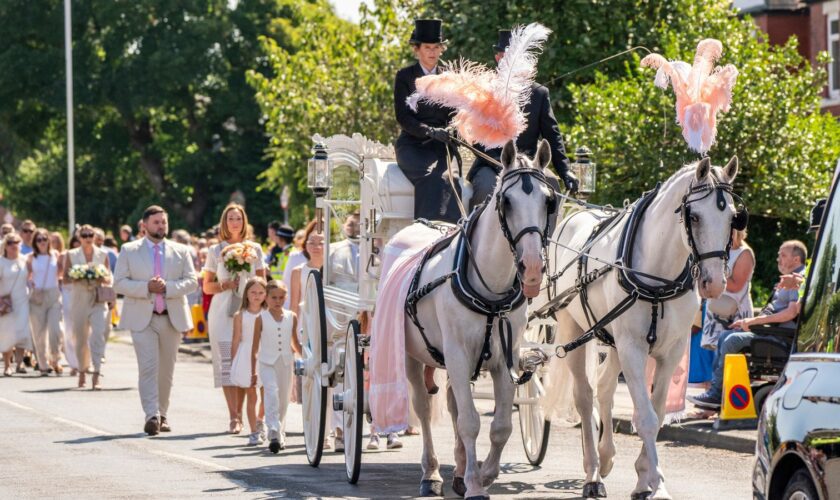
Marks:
<point>385,200</point>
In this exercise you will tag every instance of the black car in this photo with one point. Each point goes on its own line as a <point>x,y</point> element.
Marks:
<point>798,444</point>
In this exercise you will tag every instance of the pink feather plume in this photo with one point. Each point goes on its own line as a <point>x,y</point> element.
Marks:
<point>702,90</point>
<point>488,102</point>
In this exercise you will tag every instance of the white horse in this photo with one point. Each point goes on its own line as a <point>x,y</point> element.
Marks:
<point>504,260</point>
<point>690,215</point>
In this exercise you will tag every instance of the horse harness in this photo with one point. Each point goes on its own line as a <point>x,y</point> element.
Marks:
<point>496,309</point>
<point>628,278</point>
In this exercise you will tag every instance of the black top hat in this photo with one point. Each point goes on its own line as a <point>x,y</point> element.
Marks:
<point>816,215</point>
<point>427,31</point>
<point>504,41</point>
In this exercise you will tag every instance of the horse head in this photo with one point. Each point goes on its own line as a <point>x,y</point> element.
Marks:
<point>708,215</point>
<point>524,201</point>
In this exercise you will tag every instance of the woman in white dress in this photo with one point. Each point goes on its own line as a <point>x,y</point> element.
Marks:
<point>66,302</point>
<point>14,326</point>
<point>225,288</point>
<point>45,269</point>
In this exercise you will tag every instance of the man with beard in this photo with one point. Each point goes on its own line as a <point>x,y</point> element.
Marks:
<point>155,275</point>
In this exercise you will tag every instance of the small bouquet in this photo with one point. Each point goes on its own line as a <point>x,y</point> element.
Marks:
<point>90,272</point>
<point>239,257</point>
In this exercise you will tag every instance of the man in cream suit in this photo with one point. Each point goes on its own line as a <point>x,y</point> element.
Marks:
<point>155,275</point>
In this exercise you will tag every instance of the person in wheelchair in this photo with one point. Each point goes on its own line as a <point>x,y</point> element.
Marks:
<point>782,310</point>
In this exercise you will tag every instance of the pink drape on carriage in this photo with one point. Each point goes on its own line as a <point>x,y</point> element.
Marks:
<point>677,385</point>
<point>389,390</point>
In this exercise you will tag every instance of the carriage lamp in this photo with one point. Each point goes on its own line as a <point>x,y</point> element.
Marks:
<point>319,171</point>
<point>319,179</point>
<point>584,170</point>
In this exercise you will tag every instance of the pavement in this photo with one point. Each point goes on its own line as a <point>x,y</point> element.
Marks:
<point>61,441</point>
<point>688,431</point>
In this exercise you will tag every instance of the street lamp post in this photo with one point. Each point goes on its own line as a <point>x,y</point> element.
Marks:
<point>68,62</point>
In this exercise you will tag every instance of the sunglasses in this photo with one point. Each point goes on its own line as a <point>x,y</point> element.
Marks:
<point>86,235</point>
<point>13,242</point>
<point>41,240</point>
<point>27,231</point>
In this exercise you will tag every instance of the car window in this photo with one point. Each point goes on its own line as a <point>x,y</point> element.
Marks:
<point>819,328</point>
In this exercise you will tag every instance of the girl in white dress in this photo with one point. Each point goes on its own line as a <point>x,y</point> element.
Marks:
<point>245,323</point>
<point>14,326</point>
<point>218,282</point>
<point>272,355</point>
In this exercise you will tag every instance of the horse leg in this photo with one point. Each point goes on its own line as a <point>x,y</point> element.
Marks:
<point>501,427</point>
<point>432,483</point>
<point>661,383</point>
<point>607,383</point>
<point>468,422</point>
<point>593,487</point>
<point>633,357</point>
<point>458,485</point>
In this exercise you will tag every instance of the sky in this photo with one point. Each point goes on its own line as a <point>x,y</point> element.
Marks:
<point>349,9</point>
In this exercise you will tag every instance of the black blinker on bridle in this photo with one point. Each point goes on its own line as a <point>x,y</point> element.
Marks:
<point>527,175</point>
<point>739,220</point>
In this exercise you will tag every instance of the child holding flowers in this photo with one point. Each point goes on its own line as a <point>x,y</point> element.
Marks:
<point>246,323</point>
<point>271,357</point>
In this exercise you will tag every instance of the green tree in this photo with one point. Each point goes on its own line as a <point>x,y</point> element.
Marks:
<point>339,80</point>
<point>163,111</point>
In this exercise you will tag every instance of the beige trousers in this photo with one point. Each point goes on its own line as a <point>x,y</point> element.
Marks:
<point>156,348</point>
<point>45,318</point>
<point>90,321</point>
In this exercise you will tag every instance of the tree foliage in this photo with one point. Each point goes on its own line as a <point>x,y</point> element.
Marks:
<point>339,81</point>
<point>163,112</point>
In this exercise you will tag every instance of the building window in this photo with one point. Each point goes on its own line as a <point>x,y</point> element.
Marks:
<point>834,51</point>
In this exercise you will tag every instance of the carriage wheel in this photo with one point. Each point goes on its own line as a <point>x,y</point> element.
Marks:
<point>533,425</point>
<point>314,392</point>
<point>354,403</point>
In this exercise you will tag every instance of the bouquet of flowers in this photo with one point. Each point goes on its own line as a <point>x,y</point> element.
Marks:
<point>239,257</point>
<point>90,272</point>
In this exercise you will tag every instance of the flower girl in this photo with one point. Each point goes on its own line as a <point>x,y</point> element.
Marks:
<point>273,359</point>
<point>247,324</point>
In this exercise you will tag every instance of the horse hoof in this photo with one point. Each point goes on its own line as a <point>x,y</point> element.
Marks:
<point>642,495</point>
<point>594,490</point>
<point>482,497</point>
<point>430,488</point>
<point>458,486</point>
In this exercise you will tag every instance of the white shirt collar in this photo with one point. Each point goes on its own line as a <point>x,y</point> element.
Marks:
<point>151,244</point>
<point>432,71</point>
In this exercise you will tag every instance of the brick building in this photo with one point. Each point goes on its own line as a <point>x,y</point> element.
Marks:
<point>815,24</point>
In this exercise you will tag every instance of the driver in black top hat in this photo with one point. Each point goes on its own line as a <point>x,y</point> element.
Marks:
<point>540,124</point>
<point>421,147</point>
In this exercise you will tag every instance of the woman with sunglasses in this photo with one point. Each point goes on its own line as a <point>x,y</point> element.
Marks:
<point>14,325</point>
<point>45,269</point>
<point>89,317</point>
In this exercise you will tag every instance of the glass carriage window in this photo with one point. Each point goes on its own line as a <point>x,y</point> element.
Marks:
<point>345,206</point>
<point>819,329</point>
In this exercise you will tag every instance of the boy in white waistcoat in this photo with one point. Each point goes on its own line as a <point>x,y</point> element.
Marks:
<point>273,355</point>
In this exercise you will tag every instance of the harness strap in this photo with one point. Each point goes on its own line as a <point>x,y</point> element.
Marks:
<point>593,332</point>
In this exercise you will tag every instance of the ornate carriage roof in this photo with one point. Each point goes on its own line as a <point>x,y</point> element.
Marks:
<point>357,145</point>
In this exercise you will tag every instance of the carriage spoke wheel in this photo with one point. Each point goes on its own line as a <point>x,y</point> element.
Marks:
<point>314,392</point>
<point>354,403</point>
<point>533,426</point>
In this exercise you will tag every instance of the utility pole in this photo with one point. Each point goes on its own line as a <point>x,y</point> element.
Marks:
<point>68,62</point>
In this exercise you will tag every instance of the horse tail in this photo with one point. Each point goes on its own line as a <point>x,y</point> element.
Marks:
<point>559,399</point>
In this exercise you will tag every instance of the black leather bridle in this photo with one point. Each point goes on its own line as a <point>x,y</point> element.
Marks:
<point>527,175</point>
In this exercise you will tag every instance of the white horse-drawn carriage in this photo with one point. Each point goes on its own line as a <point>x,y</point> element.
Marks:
<point>354,175</point>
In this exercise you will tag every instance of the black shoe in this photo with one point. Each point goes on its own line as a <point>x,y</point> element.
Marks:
<point>164,425</point>
<point>705,400</point>
<point>152,426</point>
<point>27,360</point>
<point>274,446</point>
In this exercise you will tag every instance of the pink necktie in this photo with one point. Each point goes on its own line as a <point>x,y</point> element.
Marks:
<point>160,305</point>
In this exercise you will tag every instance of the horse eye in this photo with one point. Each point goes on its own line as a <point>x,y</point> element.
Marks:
<point>506,201</point>
<point>694,219</point>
